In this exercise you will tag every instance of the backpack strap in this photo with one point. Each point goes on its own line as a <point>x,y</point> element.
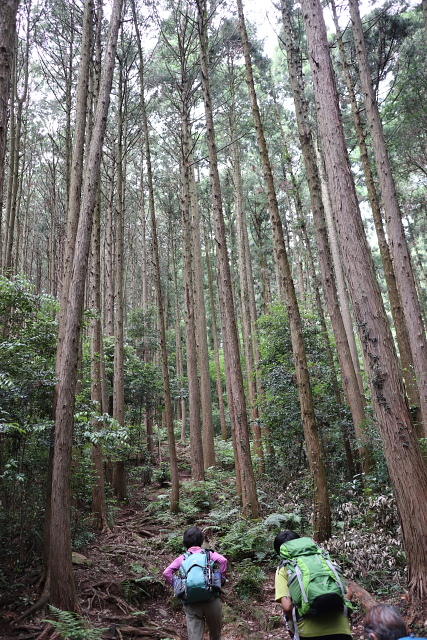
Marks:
<point>295,621</point>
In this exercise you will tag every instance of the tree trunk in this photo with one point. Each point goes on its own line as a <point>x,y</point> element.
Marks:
<point>245,273</point>
<point>321,506</point>
<point>249,494</point>
<point>201,327</point>
<point>99,506</point>
<point>390,278</point>
<point>405,463</point>
<point>62,585</point>
<point>119,474</point>
<point>7,50</point>
<point>197,465</point>
<point>355,399</point>
<point>76,177</point>
<point>395,230</point>
<point>221,403</point>
<point>168,413</point>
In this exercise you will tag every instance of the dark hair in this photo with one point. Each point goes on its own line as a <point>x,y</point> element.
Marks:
<point>385,622</point>
<point>193,537</point>
<point>282,537</point>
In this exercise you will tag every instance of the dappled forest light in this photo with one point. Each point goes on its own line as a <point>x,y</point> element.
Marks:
<point>213,299</point>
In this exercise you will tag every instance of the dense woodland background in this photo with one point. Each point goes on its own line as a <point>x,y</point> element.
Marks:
<point>213,284</point>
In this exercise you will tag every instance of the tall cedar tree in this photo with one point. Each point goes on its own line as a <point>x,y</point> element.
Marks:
<point>62,586</point>
<point>230,334</point>
<point>9,9</point>
<point>321,505</point>
<point>404,459</point>
<point>396,233</point>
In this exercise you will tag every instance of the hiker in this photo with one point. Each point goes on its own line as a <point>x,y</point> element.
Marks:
<point>310,623</point>
<point>205,605</point>
<point>384,622</point>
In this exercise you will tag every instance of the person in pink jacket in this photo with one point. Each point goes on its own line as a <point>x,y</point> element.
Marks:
<point>199,613</point>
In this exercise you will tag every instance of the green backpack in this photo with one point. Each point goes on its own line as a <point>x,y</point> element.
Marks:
<point>316,584</point>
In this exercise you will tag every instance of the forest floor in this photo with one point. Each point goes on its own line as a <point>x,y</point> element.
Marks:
<point>121,589</point>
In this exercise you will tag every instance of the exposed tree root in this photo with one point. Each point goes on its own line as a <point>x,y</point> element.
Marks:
<point>356,592</point>
<point>150,632</point>
<point>41,602</point>
<point>49,633</point>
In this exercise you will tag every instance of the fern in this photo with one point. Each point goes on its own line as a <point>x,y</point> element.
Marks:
<point>71,626</point>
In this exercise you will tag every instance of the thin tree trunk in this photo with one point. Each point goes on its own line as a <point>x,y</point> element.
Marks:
<point>197,465</point>
<point>243,453</point>
<point>99,506</point>
<point>7,51</point>
<point>156,256</point>
<point>355,399</point>
<point>221,403</point>
<point>119,471</point>
<point>76,178</point>
<point>201,327</point>
<point>321,506</point>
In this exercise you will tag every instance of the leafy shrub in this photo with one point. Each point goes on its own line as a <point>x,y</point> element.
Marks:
<point>174,543</point>
<point>249,581</point>
<point>245,540</point>
<point>71,626</point>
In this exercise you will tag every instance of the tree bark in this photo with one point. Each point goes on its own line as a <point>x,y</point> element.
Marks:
<point>119,473</point>
<point>7,48</point>
<point>243,453</point>
<point>395,230</point>
<point>321,506</point>
<point>197,465</point>
<point>405,462</point>
<point>62,586</point>
<point>355,399</point>
<point>99,505</point>
<point>402,336</point>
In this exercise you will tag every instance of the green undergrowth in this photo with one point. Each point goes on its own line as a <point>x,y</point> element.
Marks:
<point>366,538</point>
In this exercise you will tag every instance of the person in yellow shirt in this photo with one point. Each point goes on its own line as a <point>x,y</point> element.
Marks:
<point>329,626</point>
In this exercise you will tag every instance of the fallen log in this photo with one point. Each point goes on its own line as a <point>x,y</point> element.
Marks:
<point>358,593</point>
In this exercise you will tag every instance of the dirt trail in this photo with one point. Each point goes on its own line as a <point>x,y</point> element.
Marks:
<point>120,586</point>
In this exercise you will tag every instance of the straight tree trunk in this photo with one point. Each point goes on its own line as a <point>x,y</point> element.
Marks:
<point>8,13</point>
<point>76,178</point>
<point>62,586</point>
<point>201,327</point>
<point>119,471</point>
<point>241,427</point>
<point>221,403</point>
<point>243,258</point>
<point>99,505</point>
<point>402,336</point>
<point>245,275</point>
<point>396,233</point>
<point>355,399</point>
<point>196,445</point>
<point>168,413</point>
<point>109,250</point>
<point>178,342</point>
<point>404,459</point>
<point>339,272</point>
<point>321,506</point>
